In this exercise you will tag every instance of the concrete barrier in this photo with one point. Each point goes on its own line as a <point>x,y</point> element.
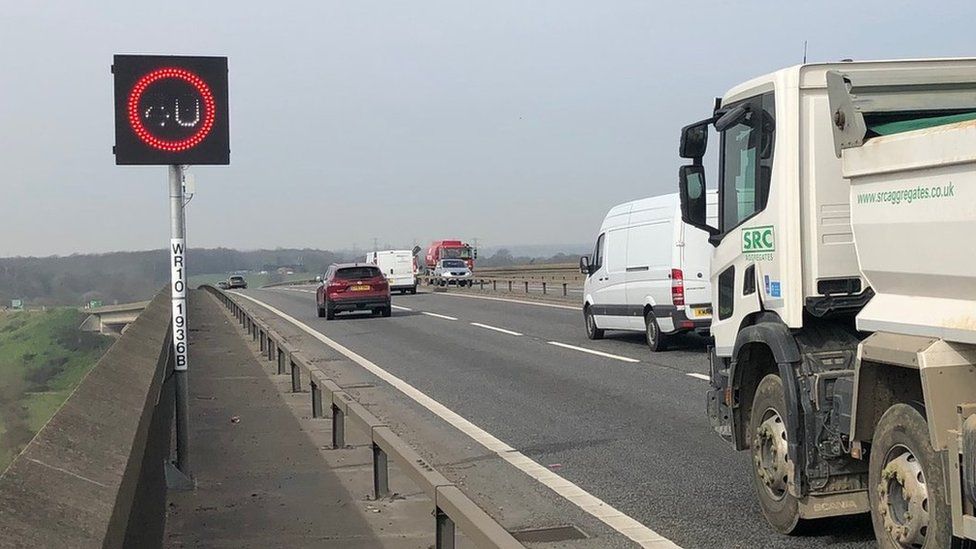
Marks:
<point>451,506</point>
<point>94,475</point>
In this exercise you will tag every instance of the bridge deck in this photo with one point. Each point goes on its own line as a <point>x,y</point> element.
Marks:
<point>263,478</point>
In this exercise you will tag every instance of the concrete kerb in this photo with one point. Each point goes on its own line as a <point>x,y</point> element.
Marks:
<point>452,506</point>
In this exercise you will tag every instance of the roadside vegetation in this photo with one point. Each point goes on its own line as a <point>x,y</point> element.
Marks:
<point>43,357</point>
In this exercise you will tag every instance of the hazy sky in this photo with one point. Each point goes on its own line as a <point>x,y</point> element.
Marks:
<point>511,121</point>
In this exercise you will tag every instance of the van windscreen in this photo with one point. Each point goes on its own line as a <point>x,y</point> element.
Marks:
<point>350,273</point>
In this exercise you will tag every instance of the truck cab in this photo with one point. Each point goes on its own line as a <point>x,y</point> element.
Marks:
<point>787,378</point>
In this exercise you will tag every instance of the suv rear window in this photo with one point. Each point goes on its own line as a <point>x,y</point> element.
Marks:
<point>350,273</point>
<point>237,279</point>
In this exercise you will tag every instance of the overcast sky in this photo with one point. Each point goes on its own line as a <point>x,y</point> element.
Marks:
<point>516,122</point>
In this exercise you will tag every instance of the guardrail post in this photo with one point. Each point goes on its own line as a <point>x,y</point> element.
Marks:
<point>482,281</point>
<point>316,400</point>
<point>338,428</point>
<point>494,285</point>
<point>381,473</point>
<point>262,337</point>
<point>526,286</point>
<point>444,536</point>
<point>564,288</point>
<point>282,357</point>
<point>296,378</point>
<point>543,287</point>
<point>509,285</point>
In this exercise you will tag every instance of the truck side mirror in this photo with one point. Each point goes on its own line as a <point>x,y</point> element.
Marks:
<point>694,199</point>
<point>731,118</point>
<point>474,253</point>
<point>694,139</point>
<point>584,265</point>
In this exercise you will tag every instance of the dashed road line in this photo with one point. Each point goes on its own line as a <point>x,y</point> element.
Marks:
<point>625,525</point>
<point>522,301</point>
<point>496,328</point>
<point>698,376</point>
<point>435,315</point>
<point>399,308</point>
<point>592,352</point>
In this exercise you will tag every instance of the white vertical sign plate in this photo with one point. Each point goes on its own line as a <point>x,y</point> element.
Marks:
<point>178,292</point>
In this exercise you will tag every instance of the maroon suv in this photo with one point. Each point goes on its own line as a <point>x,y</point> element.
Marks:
<point>353,287</point>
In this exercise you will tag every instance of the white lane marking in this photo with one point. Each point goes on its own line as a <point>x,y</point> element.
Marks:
<point>538,303</point>
<point>632,529</point>
<point>495,328</point>
<point>592,352</point>
<point>699,376</point>
<point>445,317</point>
<point>399,308</point>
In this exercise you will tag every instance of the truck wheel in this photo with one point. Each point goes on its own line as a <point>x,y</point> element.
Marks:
<point>413,291</point>
<point>652,332</point>
<point>321,312</point>
<point>906,483</point>
<point>329,313</point>
<point>767,429</point>
<point>388,311</point>
<point>592,331</point>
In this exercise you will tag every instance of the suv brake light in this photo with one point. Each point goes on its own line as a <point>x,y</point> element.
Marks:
<point>677,287</point>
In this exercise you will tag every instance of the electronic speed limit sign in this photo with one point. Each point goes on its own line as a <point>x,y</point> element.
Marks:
<point>171,110</point>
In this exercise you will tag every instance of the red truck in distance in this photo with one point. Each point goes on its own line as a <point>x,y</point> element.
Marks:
<point>450,249</point>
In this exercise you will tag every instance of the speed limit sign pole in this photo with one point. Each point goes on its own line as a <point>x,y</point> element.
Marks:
<point>173,111</point>
<point>177,265</point>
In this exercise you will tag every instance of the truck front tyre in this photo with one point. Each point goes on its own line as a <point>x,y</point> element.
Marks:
<point>906,483</point>
<point>767,429</point>
<point>329,313</point>
<point>652,332</point>
<point>592,332</point>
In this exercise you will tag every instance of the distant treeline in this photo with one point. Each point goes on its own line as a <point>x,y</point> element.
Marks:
<point>132,276</point>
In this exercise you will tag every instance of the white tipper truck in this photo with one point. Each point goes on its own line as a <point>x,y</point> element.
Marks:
<point>844,291</point>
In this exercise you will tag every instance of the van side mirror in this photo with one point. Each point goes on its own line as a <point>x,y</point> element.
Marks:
<point>584,265</point>
<point>694,201</point>
<point>474,253</point>
<point>694,139</point>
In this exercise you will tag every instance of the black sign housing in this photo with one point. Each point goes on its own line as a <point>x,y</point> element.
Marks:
<point>171,110</point>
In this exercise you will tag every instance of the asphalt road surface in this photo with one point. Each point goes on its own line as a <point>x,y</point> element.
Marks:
<point>627,426</point>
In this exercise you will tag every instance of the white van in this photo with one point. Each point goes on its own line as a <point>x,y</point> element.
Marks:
<point>397,267</point>
<point>649,272</point>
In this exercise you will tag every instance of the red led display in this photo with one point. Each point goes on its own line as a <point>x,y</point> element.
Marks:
<point>171,110</point>
<point>136,118</point>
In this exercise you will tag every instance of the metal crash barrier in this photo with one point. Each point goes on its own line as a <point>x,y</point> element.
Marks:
<point>452,508</point>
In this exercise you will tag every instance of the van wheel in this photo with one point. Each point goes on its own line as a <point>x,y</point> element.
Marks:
<point>388,311</point>
<point>321,311</point>
<point>770,459</point>
<point>906,483</point>
<point>655,339</point>
<point>592,331</point>
<point>329,313</point>
<point>413,291</point>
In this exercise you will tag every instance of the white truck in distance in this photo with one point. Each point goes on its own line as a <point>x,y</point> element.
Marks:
<point>844,281</point>
<point>398,267</point>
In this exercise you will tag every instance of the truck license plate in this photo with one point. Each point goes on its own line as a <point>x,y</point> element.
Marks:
<point>360,288</point>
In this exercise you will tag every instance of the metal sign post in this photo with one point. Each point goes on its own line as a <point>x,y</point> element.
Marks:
<point>177,265</point>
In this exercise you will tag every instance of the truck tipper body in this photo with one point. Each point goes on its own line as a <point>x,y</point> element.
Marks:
<point>449,249</point>
<point>844,291</point>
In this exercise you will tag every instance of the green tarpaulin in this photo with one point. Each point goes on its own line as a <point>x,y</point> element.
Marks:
<point>900,126</point>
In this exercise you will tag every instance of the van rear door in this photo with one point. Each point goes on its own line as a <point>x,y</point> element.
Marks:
<point>696,257</point>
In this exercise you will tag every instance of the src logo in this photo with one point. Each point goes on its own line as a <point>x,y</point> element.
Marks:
<point>758,239</point>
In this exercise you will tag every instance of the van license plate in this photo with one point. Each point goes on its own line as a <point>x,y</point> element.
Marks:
<point>702,312</point>
<point>360,288</point>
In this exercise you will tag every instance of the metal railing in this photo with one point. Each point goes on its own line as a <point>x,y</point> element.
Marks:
<point>452,508</point>
<point>521,285</point>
